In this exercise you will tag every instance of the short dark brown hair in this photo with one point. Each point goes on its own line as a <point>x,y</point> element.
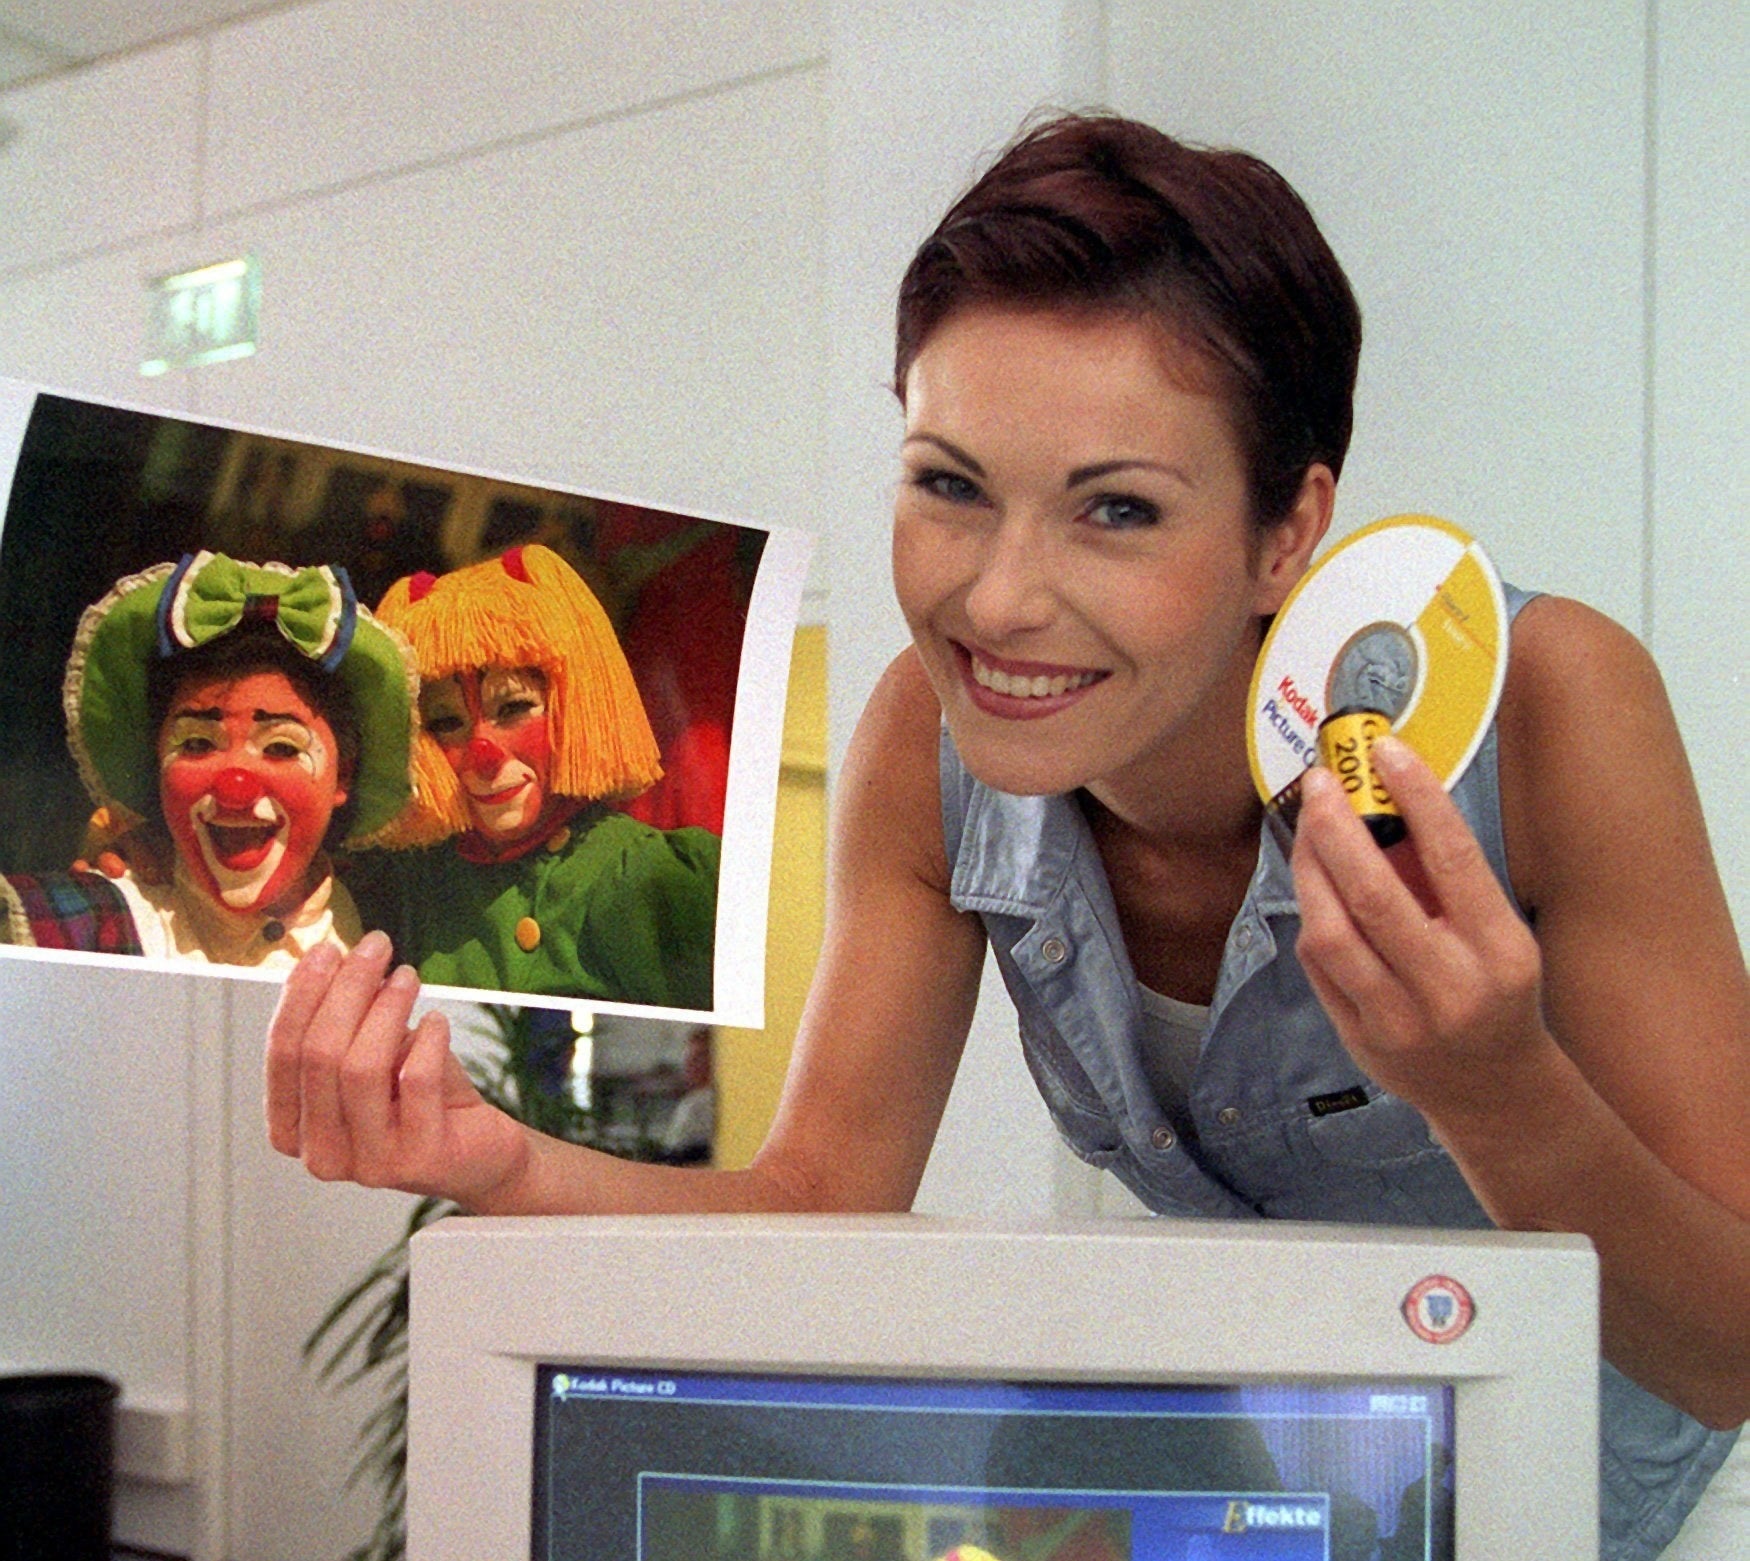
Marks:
<point>1103,213</point>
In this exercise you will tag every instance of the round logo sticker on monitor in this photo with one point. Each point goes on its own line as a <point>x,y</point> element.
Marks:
<point>1438,1309</point>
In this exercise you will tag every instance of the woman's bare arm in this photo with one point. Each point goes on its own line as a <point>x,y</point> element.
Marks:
<point>1592,1072</point>
<point>357,1095</point>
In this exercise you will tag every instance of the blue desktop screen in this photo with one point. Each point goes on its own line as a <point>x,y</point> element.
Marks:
<point>671,1466</point>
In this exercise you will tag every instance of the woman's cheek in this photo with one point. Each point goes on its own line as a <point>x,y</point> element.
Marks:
<point>181,784</point>
<point>531,742</point>
<point>920,564</point>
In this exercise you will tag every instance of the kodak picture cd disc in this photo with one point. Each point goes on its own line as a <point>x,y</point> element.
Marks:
<point>1405,617</point>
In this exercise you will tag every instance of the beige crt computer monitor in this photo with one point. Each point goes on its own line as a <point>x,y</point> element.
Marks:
<point>747,1388</point>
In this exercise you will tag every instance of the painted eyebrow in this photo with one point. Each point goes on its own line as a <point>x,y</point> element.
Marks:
<point>262,717</point>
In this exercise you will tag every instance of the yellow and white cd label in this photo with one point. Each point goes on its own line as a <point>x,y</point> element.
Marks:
<point>1406,617</point>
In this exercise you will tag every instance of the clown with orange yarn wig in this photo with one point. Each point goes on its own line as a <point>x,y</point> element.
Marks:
<point>524,878</point>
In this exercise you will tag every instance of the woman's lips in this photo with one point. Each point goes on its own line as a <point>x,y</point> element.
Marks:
<point>1018,688</point>
<point>489,792</point>
<point>241,847</point>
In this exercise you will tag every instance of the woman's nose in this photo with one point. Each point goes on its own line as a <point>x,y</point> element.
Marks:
<point>237,791</point>
<point>1012,592</point>
<point>483,755</point>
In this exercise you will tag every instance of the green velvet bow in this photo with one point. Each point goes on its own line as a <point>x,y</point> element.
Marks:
<point>308,607</point>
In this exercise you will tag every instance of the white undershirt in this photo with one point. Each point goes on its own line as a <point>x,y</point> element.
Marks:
<point>1172,1040</point>
<point>179,921</point>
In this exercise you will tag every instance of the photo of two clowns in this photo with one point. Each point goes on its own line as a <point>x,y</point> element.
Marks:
<point>263,697</point>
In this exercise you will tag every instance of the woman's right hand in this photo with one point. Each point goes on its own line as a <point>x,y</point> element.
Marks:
<point>357,1095</point>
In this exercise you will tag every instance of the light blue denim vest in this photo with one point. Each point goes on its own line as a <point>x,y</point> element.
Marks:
<point>1276,1137</point>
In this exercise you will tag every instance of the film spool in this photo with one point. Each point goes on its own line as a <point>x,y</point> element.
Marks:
<point>1406,618</point>
<point>1345,742</point>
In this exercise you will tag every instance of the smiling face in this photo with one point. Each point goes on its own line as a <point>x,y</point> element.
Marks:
<point>249,777</point>
<point>1074,552</point>
<point>494,730</point>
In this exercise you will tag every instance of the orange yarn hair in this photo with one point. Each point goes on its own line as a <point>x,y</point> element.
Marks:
<point>528,608</point>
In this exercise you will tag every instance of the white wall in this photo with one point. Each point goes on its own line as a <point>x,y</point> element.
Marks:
<point>1698,449</point>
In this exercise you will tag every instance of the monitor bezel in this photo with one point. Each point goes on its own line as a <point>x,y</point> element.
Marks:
<point>915,1296</point>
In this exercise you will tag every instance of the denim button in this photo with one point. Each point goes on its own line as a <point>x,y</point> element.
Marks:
<point>1055,950</point>
<point>1228,1115</point>
<point>1243,938</point>
<point>1162,1138</point>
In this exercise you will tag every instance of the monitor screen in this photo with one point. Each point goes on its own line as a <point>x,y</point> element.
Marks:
<point>682,1466</point>
<point>802,1388</point>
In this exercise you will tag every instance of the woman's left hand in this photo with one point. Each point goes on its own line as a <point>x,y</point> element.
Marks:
<point>1429,975</point>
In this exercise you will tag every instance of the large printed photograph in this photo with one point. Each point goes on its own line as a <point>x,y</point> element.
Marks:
<point>263,694</point>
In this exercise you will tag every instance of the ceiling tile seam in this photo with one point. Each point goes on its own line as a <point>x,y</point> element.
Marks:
<point>213,218</point>
<point>521,138</point>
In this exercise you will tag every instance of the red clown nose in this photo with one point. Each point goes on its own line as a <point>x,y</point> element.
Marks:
<point>483,755</point>
<point>237,791</point>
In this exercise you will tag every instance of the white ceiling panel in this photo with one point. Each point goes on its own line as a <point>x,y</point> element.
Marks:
<point>41,37</point>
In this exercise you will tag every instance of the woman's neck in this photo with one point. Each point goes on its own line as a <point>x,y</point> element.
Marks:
<point>1194,794</point>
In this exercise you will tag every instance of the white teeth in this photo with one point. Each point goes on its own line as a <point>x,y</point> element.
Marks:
<point>1039,687</point>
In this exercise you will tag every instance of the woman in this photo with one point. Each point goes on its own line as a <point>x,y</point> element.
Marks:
<point>530,726</point>
<point>1126,368</point>
<point>246,718</point>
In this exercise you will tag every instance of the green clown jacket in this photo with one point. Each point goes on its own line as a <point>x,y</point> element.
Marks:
<point>607,909</point>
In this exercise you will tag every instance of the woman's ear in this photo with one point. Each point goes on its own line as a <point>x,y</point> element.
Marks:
<point>1287,547</point>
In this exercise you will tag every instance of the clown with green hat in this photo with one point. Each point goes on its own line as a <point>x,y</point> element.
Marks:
<point>250,717</point>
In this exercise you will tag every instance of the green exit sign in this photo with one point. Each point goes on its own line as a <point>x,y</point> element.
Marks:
<point>204,316</point>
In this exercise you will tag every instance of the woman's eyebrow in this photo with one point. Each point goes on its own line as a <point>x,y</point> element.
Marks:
<point>263,717</point>
<point>949,449</point>
<point>1099,469</point>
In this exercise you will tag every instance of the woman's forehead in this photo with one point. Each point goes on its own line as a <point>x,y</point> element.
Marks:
<point>486,682</point>
<point>1069,385</point>
<point>266,693</point>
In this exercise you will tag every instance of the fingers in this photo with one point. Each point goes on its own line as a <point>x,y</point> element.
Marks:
<point>367,1079</point>
<point>1450,856</point>
<point>1328,936</point>
<point>1357,896</point>
<point>343,1009</point>
<point>299,999</point>
<point>1441,880</point>
<point>425,1088</point>
<point>1422,963</point>
<point>335,1046</point>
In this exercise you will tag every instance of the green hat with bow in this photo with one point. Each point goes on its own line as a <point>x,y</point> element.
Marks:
<point>170,609</point>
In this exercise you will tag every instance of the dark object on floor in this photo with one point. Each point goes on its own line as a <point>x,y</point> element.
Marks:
<point>57,1466</point>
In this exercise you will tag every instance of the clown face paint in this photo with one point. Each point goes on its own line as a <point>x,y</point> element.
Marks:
<point>493,728</point>
<point>248,778</point>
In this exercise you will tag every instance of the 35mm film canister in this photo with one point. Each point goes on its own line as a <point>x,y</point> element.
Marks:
<point>1346,738</point>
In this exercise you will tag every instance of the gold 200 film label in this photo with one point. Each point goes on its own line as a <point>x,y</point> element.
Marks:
<point>1405,617</point>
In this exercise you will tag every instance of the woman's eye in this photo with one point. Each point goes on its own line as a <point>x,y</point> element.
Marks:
<point>442,726</point>
<point>1122,512</point>
<point>515,710</point>
<point>195,747</point>
<point>943,484</point>
<point>282,748</point>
